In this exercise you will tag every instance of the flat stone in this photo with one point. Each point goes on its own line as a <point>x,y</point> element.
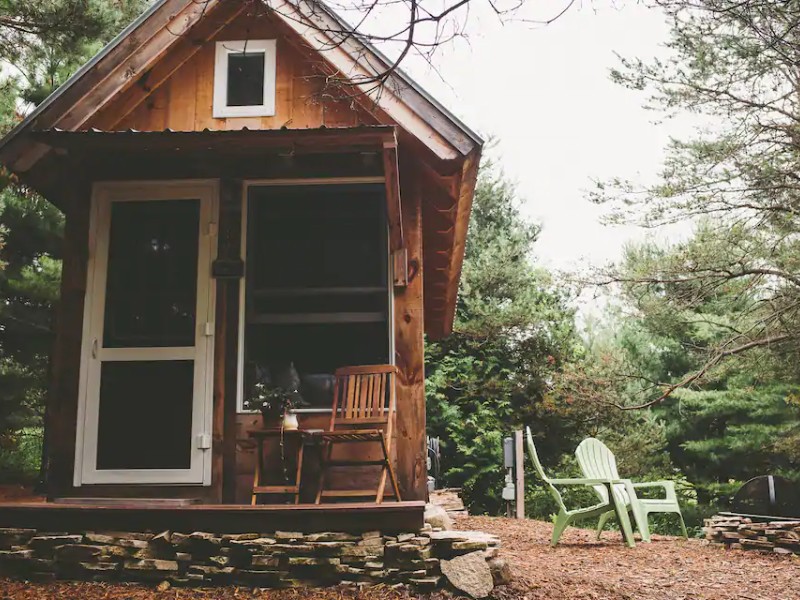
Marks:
<point>130,535</point>
<point>420,540</point>
<point>470,574</point>
<point>409,565</point>
<point>306,561</point>
<point>331,548</point>
<point>99,538</point>
<point>266,560</point>
<point>363,551</point>
<point>252,544</point>
<point>221,561</point>
<point>469,546</point>
<point>288,535</point>
<point>48,542</point>
<point>146,552</point>
<point>425,583</point>
<point>131,543</point>
<point>370,535</point>
<point>240,537</point>
<point>151,564</point>
<point>17,532</point>
<point>447,537</point>
<point>78,552</point>
<point>330,536</point>
<point>406,575</point>
<point>210,570</point>
<point>259,578</point>
<point>302,549</point>
<point>99,567</point>
<point>404,537</point>
<point>16,555</point>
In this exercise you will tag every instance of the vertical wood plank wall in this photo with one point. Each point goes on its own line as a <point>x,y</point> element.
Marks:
<point>184,102</point>
<point>62,400</point>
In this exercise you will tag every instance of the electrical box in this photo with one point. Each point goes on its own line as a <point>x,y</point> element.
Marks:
<point>508,453</point>
<point>509,491</point>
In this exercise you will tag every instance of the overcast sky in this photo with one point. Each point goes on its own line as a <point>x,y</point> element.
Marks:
<point>544,93</point>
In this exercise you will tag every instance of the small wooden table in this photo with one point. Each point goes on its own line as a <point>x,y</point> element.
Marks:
<point>297,437</point>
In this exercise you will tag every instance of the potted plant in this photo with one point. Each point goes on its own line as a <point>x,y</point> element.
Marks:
<point>275,404</point>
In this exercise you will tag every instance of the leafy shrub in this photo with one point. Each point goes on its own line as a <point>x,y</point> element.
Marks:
<point>21,456</point>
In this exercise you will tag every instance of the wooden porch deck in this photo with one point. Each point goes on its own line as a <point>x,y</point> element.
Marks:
<point>351,517</point>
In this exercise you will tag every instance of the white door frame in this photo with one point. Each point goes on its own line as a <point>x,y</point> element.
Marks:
<point>93,353</point>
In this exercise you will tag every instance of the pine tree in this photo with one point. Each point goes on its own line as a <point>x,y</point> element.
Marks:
<point>512,331</point>
<point>41,43</point>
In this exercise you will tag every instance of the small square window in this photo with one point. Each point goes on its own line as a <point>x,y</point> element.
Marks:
<point>244,79</point>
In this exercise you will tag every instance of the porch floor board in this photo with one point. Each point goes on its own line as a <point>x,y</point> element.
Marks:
<point>351,517</point>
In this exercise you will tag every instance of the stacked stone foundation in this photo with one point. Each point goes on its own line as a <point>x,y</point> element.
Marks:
<point>743,533</point>
<point>278,559</point>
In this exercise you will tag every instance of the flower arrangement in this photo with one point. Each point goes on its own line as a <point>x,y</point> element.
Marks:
<point>272,400</point>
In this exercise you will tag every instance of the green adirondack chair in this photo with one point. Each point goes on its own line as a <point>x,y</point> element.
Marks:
<point>611,504</point>
<point>597,461</point>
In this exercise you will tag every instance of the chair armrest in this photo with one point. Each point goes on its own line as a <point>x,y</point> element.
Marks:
<point>668,487</point>
<point>645,484</point>
<point>585,481</point>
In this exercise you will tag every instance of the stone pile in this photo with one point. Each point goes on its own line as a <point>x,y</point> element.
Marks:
<point>277,559</point>
<point>781,537</point>
<point>450,500</point>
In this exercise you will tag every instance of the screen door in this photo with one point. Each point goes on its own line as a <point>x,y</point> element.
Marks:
<point>146,385</point>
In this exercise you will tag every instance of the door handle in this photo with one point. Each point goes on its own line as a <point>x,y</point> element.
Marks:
<point>94,348</point>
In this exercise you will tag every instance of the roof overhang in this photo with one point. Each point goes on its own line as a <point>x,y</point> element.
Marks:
<point>281,141</point>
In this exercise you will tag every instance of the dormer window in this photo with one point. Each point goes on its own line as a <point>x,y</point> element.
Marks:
<point>244,79</point>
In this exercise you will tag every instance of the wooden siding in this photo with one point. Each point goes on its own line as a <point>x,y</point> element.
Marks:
<point>184,101</point>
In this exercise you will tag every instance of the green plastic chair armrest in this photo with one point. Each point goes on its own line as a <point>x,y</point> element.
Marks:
<point>645,484</point>
<point>584,481</point>
<point>667,486</point>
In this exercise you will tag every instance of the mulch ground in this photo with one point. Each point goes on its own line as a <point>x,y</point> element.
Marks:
<point>669,568</point>
<point>579,568</point>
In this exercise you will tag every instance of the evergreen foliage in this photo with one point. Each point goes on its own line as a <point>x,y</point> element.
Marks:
<point>513,332</point>
<point>733,63</point>
<point>41,44</point>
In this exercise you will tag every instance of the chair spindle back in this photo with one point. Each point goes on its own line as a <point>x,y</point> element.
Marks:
<point>364,396</point>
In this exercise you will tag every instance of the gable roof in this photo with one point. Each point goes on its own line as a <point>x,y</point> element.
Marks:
<point>404,100</point>
<point>451,150</point>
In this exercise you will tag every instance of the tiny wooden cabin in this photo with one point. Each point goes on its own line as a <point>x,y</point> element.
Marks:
<point>237,189</point>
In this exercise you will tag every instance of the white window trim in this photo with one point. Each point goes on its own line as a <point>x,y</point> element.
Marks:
<point>103,194</point>
<point>243,288</point>
<point>225,49</point>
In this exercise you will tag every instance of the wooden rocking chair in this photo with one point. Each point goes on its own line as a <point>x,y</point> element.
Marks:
<point>363,412</point>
